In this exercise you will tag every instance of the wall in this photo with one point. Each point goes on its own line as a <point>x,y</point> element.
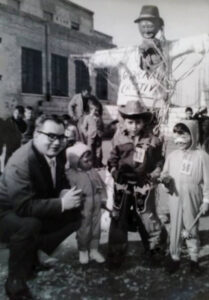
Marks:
<point>20,29</point>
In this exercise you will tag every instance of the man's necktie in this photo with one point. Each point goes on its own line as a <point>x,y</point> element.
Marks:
<point>52,165</point>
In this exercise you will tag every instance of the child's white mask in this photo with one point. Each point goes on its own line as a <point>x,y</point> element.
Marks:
<point>183,139</point>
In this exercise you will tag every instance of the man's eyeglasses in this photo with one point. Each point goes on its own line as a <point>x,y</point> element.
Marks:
<point>53,137</point>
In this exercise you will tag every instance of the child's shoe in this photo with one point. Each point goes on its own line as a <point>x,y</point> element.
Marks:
<point>172,265</point>
<point>96,256</point>
<point>83,257</point>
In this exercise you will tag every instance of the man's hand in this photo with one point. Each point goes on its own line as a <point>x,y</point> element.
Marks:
<point>204,207</point>
<point>71,199</point>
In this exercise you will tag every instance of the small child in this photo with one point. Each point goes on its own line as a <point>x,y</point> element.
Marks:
<point>92,128</point>
<point>186,176</point>
<point>136,158</point>
<point>83,176</point>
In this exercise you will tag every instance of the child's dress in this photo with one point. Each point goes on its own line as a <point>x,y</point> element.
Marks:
<point>190,172</point>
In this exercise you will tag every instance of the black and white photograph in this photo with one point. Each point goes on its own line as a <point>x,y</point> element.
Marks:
<point>104,149</point>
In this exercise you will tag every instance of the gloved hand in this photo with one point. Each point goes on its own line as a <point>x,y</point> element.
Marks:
<point>71,199</point>
<point>204,207</point>
<point>168,182</point>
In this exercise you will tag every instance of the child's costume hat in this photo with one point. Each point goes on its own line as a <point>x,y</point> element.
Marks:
<point>149,12</point>
<point>74,153</point>
<point>134,110</point>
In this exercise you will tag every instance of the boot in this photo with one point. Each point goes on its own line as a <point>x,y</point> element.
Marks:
<point>195,268</point>
<point>172,266</point>
<point>96,256</point>
<point>17,289</point>
<point>83,257</point>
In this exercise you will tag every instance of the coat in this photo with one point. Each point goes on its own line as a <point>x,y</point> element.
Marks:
<point>75,107</point>
<point>122,158</point>
<point>26,185</point>
<point>92,126</point>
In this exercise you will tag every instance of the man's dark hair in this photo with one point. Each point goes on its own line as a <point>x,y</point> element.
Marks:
<point>43,118</point>
<point>189,109</point>
<point>29,107</point>
<point>95,101</point>
<point>181,128</point>
<point>87,88</point>
<point>20,109</point>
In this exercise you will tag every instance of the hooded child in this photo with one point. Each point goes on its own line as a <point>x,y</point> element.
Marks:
<point>186,177</point>
<point>80,173</point>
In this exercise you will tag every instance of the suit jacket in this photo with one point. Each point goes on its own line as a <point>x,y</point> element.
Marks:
<point>26,185</point>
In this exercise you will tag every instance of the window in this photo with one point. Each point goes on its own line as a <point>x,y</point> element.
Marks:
<point>75,25</point>
<point>31,71</point>
<point>59,75</point>
<point>101,84</point>
<point>82,76</point>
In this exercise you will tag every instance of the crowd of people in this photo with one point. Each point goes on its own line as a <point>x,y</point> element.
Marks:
<point>51,187</point>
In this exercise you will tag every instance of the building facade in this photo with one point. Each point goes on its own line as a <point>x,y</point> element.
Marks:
<point>37,39</point>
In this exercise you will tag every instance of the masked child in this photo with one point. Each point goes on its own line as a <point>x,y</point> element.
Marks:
<point>81,174</point>
<point>134,161</point>
<point>186,176</point>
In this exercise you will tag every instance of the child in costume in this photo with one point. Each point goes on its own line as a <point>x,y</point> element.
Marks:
<point>186,176</point>
<point>134,162</point>
<point>81,174</point>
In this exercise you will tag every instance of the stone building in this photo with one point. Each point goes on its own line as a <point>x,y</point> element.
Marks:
<point>37,38</point>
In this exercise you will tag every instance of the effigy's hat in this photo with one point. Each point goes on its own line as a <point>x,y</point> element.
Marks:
<point>149,12</point>
<point>134,110</point>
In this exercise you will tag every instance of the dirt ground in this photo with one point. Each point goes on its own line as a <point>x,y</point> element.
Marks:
<point>136,279</point>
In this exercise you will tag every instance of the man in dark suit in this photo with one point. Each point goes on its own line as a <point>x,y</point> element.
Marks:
<point>38,210</point>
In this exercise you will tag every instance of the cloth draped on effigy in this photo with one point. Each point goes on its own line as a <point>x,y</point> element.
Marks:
<point>158,72</point>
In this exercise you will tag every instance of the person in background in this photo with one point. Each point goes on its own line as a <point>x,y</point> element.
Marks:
<point>38,209</point>
<point>78,105</point>
<point>67,119</point>
<point>203,121</point>
<point>92,129</point>
<point>188,113</point>
<point>186,177</point>
<point>13,126</point>
<point>71,134</point>
<point>29,119</point>
<point>80,173</point>
<point>18,117</point>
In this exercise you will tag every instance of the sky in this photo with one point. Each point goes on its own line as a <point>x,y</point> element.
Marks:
<point>116,17</point>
